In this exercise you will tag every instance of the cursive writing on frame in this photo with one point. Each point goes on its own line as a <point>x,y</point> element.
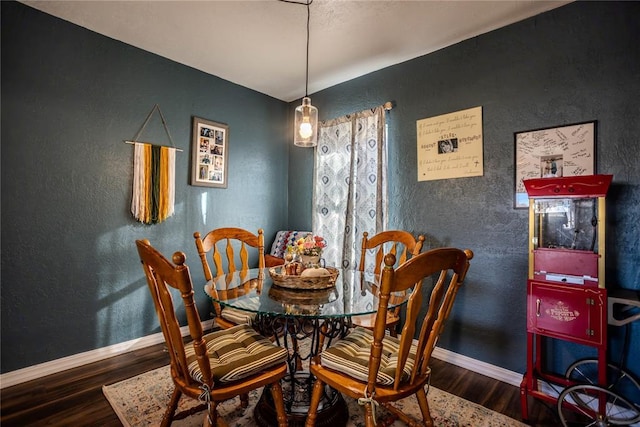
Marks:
<point>450,145</point>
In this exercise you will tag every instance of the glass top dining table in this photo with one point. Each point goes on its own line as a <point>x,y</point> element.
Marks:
<point>254,291</point>
<point>303,321</point>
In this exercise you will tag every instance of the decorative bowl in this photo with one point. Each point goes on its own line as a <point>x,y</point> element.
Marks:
<point>303,282</point>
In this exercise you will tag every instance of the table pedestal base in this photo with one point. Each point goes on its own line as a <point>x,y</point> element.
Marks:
<point>332,411</point>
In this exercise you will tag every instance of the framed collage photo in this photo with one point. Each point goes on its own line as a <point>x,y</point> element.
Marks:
<point>553,152</point>
<point>209,150</point>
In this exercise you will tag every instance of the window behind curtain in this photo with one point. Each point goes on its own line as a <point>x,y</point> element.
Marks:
<point>349,191</point>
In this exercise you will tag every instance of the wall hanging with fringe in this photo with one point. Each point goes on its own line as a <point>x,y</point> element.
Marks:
<point>154,170</point>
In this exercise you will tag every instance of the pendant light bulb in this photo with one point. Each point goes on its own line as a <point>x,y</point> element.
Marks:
<point>305,128</point>
<point>306,124</point>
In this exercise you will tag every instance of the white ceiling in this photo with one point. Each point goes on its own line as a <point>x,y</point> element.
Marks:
<point>260,44</point>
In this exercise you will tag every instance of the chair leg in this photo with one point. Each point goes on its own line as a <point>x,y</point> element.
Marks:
<point>244,400</point>
<point>318,389</point>
<point>397,414</point>
<point>222,422</point>
<point>278,399</point>
<point>424,407</point>
<point>321,335</point>
<point>368,415</point>
<point>211,419</point>
<point>296,349</point>
<point>171,408</point>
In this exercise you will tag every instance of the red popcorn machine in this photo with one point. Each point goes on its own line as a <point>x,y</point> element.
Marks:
<point>566,294</point>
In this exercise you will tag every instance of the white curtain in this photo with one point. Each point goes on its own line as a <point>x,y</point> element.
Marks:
<point>350,182</point>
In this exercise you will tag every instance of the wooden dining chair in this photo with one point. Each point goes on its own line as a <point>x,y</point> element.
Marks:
<point>214,367</point>
<point>229,251</point>
<point>378,369</point>
<point>402,245</point>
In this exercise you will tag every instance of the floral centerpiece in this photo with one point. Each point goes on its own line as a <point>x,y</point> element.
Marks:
<point>302,269</point>
<point>309,249</point>
<point>311,245</point>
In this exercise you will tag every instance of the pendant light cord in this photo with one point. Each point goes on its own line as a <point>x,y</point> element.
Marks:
<point>306,3</point>
<point>306,85</point>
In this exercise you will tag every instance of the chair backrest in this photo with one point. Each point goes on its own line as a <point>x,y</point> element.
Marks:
<point>450,265</point>
<point>399,243</point>
<point>226,241</point>
<point>162,275</point>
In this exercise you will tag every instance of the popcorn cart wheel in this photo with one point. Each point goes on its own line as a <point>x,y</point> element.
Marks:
<point>586,403</point>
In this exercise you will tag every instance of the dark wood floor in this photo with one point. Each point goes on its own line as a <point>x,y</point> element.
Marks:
<point>74,397</point>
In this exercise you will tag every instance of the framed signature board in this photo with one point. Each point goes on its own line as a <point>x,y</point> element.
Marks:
<point>553,152</point>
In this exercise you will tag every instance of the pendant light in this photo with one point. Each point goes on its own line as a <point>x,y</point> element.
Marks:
<point>306,115</point>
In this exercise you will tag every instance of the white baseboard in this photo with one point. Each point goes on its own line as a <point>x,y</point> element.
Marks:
<point>486,369</point>
<point>43,369</point>
<point>37,371</point>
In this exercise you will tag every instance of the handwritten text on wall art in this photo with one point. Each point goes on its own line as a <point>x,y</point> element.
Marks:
<point>450,145</point>
<point>553,153</point>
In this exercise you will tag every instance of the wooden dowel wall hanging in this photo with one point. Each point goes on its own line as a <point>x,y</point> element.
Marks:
<point>154,168</point>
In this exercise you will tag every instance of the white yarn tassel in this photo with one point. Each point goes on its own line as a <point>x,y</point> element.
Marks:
<point>137,204</point>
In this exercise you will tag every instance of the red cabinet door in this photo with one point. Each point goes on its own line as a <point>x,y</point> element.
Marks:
<point>570,312</point>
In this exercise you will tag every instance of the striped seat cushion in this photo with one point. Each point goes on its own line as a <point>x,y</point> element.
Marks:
<point>236,353</point>
<point>350,355</point>
<point>237,316</point>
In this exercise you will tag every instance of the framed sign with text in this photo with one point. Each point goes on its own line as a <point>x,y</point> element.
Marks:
<point>553,152</point>
<point>450,145</point>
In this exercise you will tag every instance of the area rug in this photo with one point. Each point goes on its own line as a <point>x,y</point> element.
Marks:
<point>142,400</point>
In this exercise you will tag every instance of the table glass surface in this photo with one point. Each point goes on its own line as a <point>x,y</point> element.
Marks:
<point>253,290</point>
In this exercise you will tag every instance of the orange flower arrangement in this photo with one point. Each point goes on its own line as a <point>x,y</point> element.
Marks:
<point>310,245</point>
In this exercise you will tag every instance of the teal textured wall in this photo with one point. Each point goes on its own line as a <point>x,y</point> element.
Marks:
<point>578,63</point>
<point>71,278</point>
<point>70,96</point>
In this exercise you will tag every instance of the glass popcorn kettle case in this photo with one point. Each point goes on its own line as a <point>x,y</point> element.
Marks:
<point>566,229</point>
